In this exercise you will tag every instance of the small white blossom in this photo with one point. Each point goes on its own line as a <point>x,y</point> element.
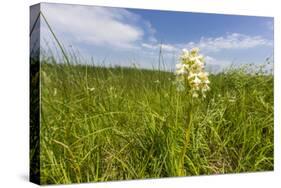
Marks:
<point>179,66</point>
<point>195,94</point>
<point>194,51</point>
<point>196,80</point>
<point>206,82</point>
<point>180,71</point>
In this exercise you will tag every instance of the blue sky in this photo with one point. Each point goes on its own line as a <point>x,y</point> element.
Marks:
<point>116,36</point>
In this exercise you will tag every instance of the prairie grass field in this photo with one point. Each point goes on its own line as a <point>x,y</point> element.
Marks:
<point>120,123</point>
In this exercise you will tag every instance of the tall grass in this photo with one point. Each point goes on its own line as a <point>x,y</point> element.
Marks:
<point>118,123</point>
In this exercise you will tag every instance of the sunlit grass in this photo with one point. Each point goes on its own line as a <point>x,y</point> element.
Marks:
<point>102,124</point>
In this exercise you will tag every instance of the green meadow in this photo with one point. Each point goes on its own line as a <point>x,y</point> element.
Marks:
<point>120,123</point>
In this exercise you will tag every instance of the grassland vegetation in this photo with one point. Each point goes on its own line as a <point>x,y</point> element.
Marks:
<point>118,123</point>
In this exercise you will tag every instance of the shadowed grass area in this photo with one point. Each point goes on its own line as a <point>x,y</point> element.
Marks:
<point>102,124</point>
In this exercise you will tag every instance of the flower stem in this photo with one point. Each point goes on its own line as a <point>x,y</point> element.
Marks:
<point>187,130</point>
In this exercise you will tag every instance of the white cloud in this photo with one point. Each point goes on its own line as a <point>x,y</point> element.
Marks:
<point>216,65</point>
<point>149,46</point>
<point>165,47</point>
<point>169,47</point>
<point>96,25</point>
<point>230,41</point>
